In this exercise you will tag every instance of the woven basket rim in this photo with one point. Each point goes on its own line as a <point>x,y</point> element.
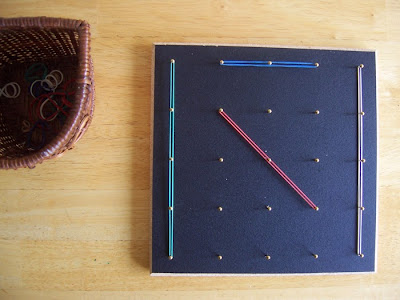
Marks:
<point>82,79</point>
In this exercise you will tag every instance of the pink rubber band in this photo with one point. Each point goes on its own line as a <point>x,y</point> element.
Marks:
<point>267,159</point>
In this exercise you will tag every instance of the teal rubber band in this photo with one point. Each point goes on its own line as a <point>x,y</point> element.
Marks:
<point>33,69</point>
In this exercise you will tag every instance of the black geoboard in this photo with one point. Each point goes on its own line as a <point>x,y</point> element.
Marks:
<point>264,160</point>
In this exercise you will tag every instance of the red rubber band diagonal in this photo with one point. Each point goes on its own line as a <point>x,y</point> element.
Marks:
<point>267,159</point>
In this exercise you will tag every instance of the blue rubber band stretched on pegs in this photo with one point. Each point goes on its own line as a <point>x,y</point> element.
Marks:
<point>268,64</point>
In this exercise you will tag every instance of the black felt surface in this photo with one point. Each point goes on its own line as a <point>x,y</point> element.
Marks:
<point>245,231</point>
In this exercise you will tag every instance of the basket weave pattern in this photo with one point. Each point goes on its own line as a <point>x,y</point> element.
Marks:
<point>60,44</point>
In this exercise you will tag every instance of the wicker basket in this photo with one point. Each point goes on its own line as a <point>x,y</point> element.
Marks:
<point>60,44</point>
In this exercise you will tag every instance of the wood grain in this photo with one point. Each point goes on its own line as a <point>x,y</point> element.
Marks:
<point>78,227</point>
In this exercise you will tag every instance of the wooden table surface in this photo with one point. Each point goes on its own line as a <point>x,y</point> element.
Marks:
<point>79,226</point>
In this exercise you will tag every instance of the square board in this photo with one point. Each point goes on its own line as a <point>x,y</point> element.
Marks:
<point>219,206</point>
